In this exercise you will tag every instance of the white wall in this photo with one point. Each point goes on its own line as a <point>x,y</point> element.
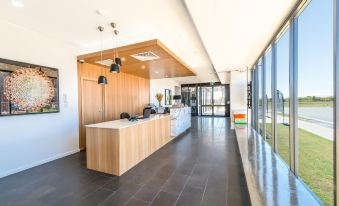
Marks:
<point>225,77</point>
<point>29,140</point>
<point>238,90</point>
<point>159,86</point>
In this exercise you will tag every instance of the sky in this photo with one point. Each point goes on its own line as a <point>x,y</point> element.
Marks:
<point>315,52</point>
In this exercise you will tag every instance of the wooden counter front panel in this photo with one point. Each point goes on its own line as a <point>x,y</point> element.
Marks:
<point>115,151</point>
<point>102,150</point>
<point>140,141</point>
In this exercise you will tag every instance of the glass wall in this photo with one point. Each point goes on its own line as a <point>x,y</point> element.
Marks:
<point>268,95</point>
<point>260,96</point>
<point>206,100</point>
<point>219,100</point>
<point>314,134</point>
<point>315,98</point>
<point>283,96</point>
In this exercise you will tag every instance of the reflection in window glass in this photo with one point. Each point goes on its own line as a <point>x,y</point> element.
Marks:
<point>260,95</point>
<point>315,98</point>
<point>254,97</point>
<point>268,95</point>
<point>219,95</point>
<point>283,96</point>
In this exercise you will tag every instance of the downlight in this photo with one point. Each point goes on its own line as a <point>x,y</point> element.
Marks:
<point>17,3</point>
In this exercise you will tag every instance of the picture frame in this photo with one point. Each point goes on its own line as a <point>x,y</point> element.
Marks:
<point>28,88</point>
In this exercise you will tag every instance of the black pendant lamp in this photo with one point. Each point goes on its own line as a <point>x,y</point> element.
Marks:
<point>115,67</point>
<point>102,79</point>
<point>117,61</point>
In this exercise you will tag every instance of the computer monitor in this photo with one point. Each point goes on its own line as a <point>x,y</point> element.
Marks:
<point>147,113</point>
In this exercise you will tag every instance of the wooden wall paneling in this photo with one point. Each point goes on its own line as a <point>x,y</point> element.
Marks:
<point>86,73</point>
<point>123,93</point>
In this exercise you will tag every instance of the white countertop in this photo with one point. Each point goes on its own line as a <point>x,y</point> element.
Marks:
<point>123,123</point>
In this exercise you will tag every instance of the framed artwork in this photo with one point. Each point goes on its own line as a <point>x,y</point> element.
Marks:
<point>168,97</point>
<point>27,88</point>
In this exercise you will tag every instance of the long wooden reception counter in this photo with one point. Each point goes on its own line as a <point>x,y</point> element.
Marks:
<point>116,146</point>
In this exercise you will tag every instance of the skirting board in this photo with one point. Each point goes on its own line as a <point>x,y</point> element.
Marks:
<point>28,166</point>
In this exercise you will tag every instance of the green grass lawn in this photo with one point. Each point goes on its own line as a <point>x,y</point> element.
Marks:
<point>315,160</point>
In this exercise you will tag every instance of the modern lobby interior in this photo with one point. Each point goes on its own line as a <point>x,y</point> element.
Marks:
<point>171,102</point>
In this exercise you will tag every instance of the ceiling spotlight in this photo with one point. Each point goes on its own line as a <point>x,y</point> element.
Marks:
<point>100,12</point>
<point>123,59</point>
<point>17,3</point>
<point>142,67</point>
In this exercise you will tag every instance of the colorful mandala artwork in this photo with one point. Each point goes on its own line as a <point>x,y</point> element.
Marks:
<point>29,88</point>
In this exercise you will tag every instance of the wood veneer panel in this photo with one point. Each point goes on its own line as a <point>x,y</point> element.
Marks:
<point>86,72</point>
<point>103,150</point>
<point>115,151</point>
<point>123,93</point>
<point>167,66</point>
<point>140,141</point>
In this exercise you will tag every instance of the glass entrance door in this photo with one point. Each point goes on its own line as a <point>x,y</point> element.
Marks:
<point>206,95</point>
<point>219,100</point>
<point>214,100</point>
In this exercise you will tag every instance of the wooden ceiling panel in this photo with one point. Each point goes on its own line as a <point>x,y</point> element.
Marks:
<point>167,66</point>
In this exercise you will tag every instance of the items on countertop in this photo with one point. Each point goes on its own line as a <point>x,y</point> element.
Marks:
<point>239,118</point>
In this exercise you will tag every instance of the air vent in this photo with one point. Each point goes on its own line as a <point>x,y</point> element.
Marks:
<point>145,56</point>
<point>106,62</point>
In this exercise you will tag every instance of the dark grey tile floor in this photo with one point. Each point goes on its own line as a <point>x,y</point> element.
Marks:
<point>201,167</point>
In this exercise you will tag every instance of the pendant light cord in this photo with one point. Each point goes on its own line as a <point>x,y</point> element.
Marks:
<point>101,29</point>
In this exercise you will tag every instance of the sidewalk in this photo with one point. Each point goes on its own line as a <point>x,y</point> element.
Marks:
<point>311,126</point>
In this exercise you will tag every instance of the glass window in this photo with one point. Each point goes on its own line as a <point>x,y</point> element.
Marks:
<point>206,100</point>
<point>253,99</point>
<point>256,98</point>
<point>260,96</point>
<point>283,96</point>
<point>315,98</point>
<point>268,95</point>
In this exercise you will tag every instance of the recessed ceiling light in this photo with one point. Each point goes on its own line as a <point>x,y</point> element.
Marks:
<point>99,12</point>
<point>123,58</point>
<point>142,67</point>
<point>17,3</point>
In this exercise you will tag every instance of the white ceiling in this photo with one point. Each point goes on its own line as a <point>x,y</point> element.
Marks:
<point>234,32</point>
<point>75,22</point>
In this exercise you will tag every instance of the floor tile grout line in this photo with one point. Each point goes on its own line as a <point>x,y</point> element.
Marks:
<point>185,184</point>
<point>134,195</point>
<point>208,177</point>
<point>160,190</point>
<point>102,187</point>
<point>142,200</point>
<point>114,192</point>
